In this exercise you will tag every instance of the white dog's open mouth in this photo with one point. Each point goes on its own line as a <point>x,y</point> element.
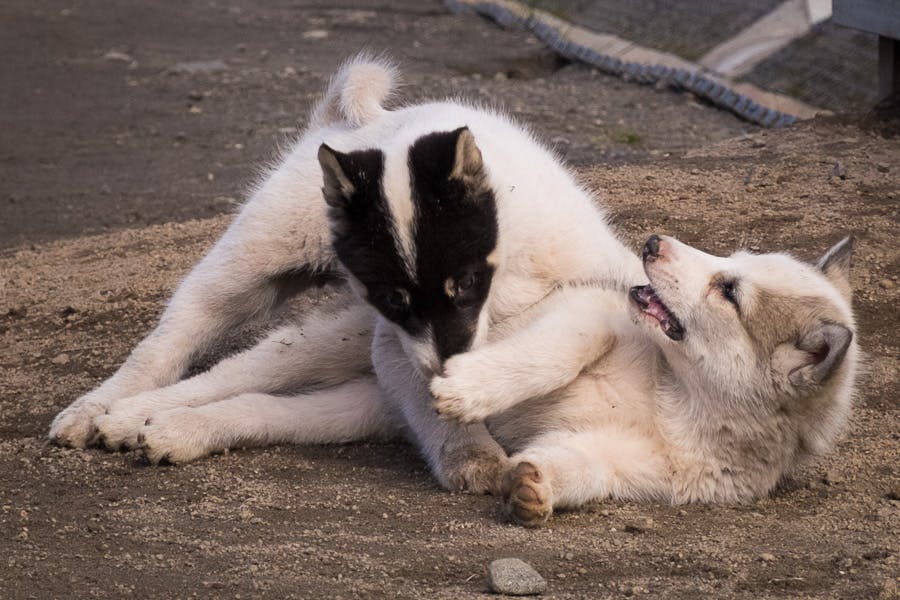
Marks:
<point>649,303</point>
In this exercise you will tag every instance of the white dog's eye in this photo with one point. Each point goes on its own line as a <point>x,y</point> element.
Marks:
<point>729,292</point>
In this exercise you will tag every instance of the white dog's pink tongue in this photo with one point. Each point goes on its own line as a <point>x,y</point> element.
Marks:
<point>656,309</point>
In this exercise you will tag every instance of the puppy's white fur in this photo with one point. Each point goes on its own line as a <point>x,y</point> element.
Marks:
<point>550,231</point>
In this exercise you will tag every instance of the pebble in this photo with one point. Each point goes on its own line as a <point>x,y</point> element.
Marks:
<point>61,359</point>
<point>839,170</point>
<point>116,55</point>
<point>833,478</point>
<point>886,284</point>
<point>199,66</point>
<point>314,34</point>
<point>882,167</point>
<point>767,557</point>
<point>515,577</point>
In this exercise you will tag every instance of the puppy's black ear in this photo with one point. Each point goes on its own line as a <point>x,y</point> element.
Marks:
<point>337,188</point>
<point>824,348</point>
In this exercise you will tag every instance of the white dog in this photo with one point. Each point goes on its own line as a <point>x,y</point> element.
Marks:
<point>709,386</point>
<point>461,237</point>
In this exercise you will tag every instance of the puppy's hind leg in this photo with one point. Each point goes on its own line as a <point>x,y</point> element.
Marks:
<point>327,349</point>
<point>345,413</point>
<point>279,239</point>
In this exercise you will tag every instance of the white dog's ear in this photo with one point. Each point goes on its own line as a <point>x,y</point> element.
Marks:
<point>819,353</point>
<point>467,164</point>
<point>836,265</point>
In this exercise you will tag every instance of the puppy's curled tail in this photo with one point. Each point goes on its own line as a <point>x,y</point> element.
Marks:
<point>356,93</point>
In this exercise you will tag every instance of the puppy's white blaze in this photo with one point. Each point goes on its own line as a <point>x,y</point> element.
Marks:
<point>481,329</point>
<point>421,350</point>
<point>396,188</point>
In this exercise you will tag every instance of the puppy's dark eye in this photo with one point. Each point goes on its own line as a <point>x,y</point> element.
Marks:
<point>465,282</point>
<point>729,292</point>
<point>396,299</point>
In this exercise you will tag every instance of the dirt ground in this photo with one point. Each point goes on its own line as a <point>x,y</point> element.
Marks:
<point>366,520</point>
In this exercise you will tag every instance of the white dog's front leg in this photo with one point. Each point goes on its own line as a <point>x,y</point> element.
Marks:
<point>462,457</point>
<point>345,413</point>
<point>569,333</point>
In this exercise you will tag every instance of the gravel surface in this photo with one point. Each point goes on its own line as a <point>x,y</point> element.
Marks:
<point>107,200</point>
<point>123,114</point>
<point>367,520</point>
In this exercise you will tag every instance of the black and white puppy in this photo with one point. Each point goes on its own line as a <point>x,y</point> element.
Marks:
<point>447,220</point>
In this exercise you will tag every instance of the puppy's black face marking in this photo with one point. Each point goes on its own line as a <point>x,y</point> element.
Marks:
<point>454,230</point>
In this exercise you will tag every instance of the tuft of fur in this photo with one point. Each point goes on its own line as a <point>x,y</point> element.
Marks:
<point>357,92</point>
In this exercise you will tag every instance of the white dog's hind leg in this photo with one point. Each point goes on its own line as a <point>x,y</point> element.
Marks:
<point>565,469</point>
<point>325,350</point>
<point>345,413</point>
<point>462,457</point>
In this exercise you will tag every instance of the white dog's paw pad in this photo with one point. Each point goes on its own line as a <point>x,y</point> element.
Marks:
<point>526,495</point>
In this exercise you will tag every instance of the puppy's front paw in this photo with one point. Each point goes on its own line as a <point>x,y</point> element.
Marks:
<point>74,426</point>
<point>176,436</point>
<point>527,495</point>
<point>119,429</point>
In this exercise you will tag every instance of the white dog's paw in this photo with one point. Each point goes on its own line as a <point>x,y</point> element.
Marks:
<point>118,430</point>
<point>176,436</point>
<point>460,394</point>
<point>74,426</point>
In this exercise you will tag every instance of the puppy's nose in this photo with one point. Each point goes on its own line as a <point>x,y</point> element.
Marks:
<point>651,248</point>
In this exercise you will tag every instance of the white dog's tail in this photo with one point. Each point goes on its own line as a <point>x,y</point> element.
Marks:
<point>356,93</point>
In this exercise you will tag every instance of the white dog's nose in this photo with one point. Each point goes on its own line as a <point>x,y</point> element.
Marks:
<point>651,248</point>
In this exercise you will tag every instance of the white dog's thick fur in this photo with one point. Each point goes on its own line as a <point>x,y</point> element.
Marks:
<point>461,236</point>
<point>755,374</point>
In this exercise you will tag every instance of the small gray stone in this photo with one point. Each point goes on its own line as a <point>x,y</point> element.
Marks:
<point>199,66</point>
<point>515,577</point>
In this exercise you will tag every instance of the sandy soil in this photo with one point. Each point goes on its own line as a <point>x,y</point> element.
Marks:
<point>366,520</point>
